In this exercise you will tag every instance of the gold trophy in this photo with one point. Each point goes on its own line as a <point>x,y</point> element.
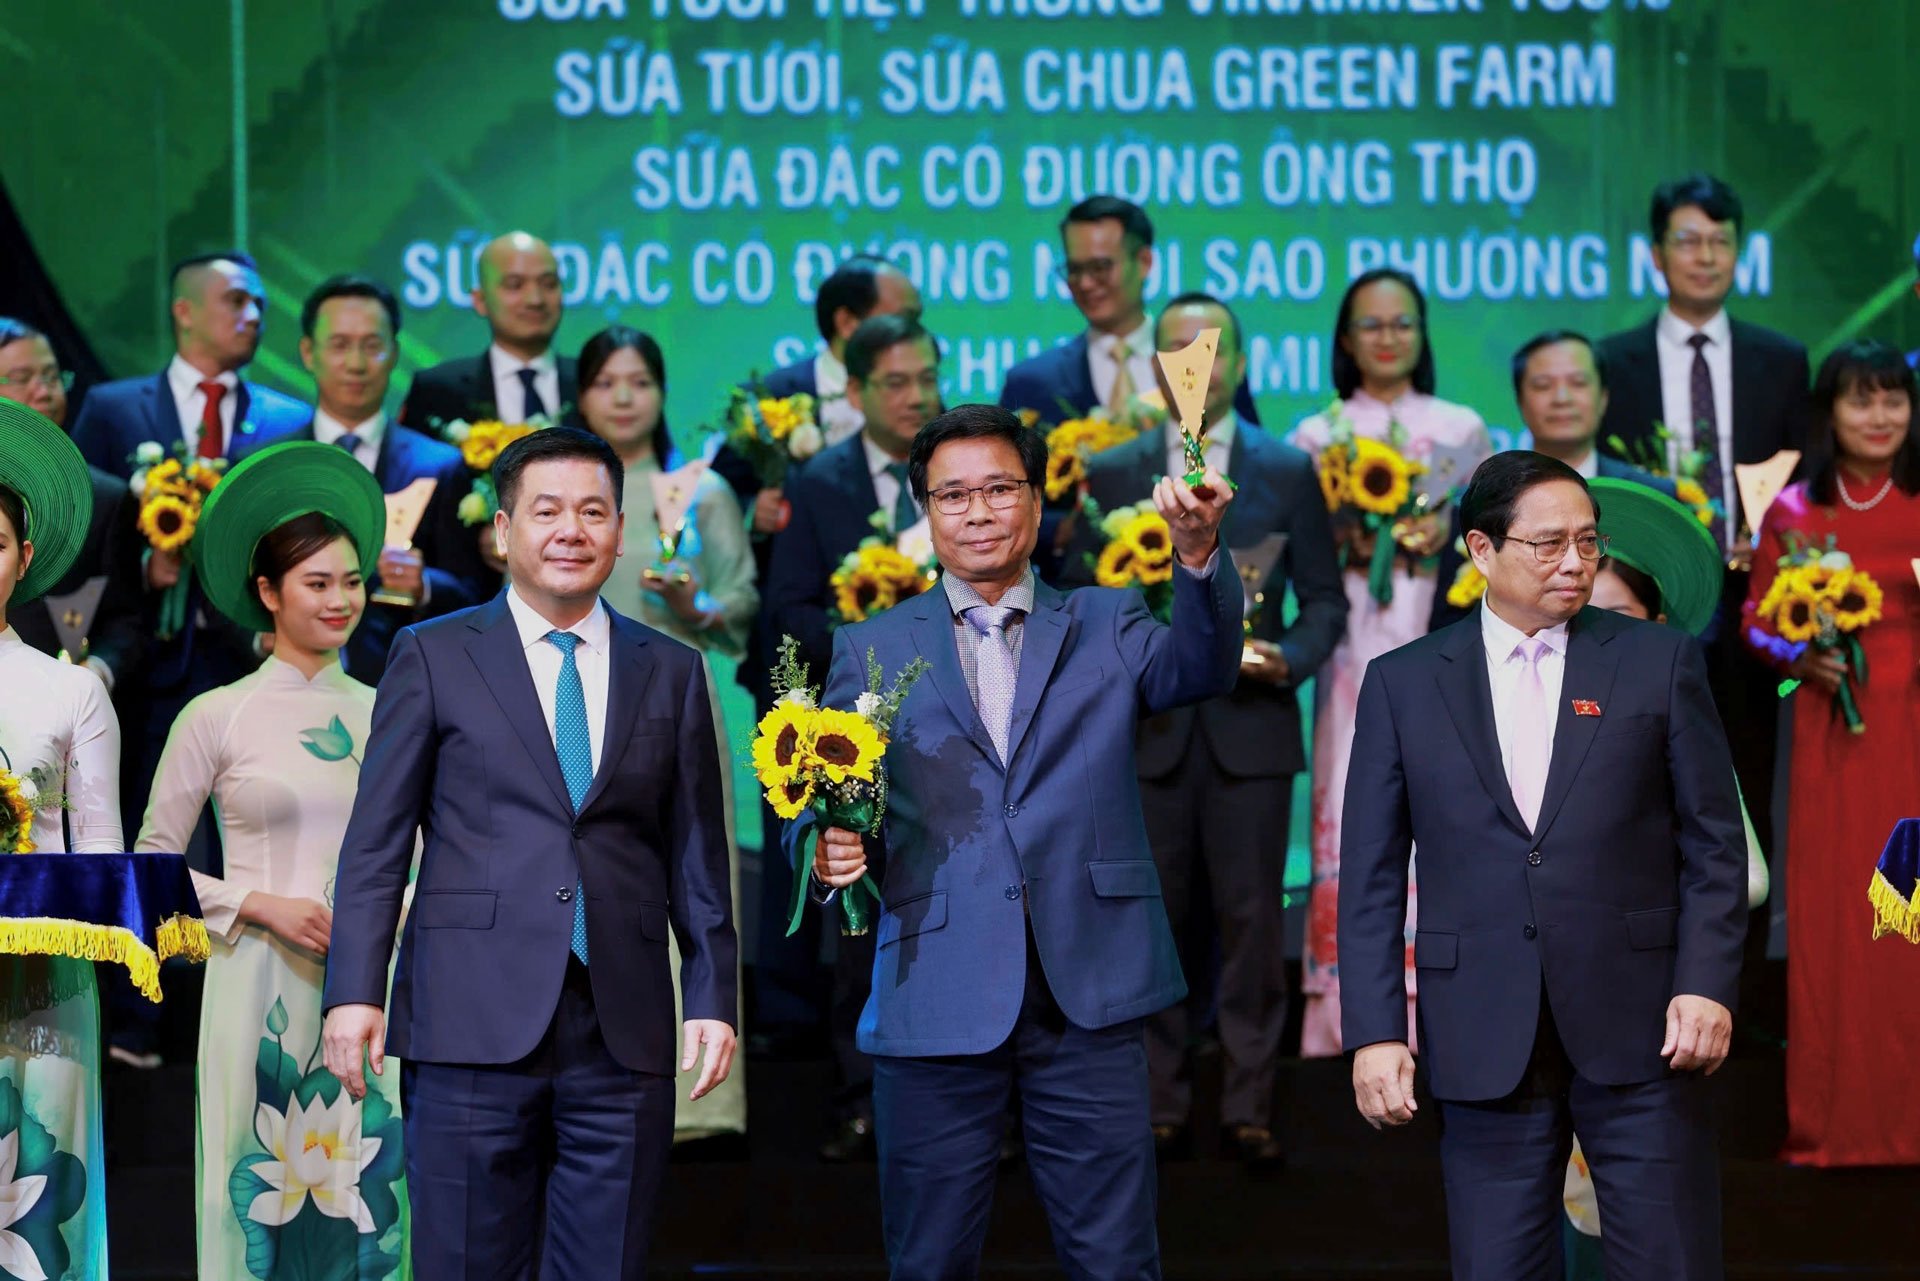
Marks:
<point>405,510</point>
<point>673,495</point>
<point>1759,484</point>
<point>1187,373</point>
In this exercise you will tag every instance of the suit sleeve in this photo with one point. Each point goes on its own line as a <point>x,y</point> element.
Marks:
<point>376,855</point>
<point>1712,839</point>
<point>699,893</point>
<point>1315,575</point>
<point>1197,655</point>
<point>1376,840</point>
<point>798,579</point>
<point>457,575</point>
<point>93,433</point>
<point>117,637</point>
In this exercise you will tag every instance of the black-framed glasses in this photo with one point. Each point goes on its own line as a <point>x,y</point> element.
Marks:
<point>1549,551</point>
<point>1088,269</point>
<point>47,378</point>
<point>957,500</point>
<point>1692,243</point>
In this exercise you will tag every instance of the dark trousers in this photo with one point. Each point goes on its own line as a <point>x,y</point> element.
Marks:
<point>1655,1172</point>
<point>852,984</point>
<point>565,1143</point>
<point>1089,1145</point>
<point>1238,828</point>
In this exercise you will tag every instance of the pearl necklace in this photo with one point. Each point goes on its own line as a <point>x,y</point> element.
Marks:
<point>1840,484</point>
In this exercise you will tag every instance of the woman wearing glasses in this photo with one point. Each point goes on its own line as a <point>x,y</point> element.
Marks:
<point>1383,372</point>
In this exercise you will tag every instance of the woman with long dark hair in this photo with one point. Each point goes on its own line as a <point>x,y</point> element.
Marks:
<point>1853,1008</point>
<point>1383,373</point>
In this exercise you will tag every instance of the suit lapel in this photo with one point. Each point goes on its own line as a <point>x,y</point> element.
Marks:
<point>933,637</point>
<point>1589,678</point>
<point>1748,371</point>
<point>1469,698</point>
<point>1077,382</point>
<point>502,662</point>
<point>1047,628</point>
<point>163,416</point>
<point>628,676</point>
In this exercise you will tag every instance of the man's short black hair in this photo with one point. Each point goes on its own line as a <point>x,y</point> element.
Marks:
<point>1200,298</point>
<point>878,333</point>
<point>1550,338</point>
<point>972,422</point>
<point>546,446</point>
<point>201,260</point>
<point>1495,489</point>
<point>349,286</point>
<point>1133,220</point>
<point>854,286</point>
<point>1715,199</point>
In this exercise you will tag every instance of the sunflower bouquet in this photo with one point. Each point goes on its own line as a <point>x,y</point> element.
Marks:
<point>1073,442</point>
<point>479,444</point>
<point>21,797</point>
<point>171,487</point>
<point>1137,551</point>
<point>1469,584</point>
<point>1818,598</point>
<point>831,762</point>
<point>876,576</point>
<point>1372,480</point>
<point>1658,456</point>
<point>772,432</point>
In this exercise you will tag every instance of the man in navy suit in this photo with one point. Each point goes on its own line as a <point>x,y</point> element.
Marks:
<point>1108,243</point>
<point>518,377</point>
<point>1216,780</point>
<point>1021,938</point>
<point>1560,384</point>
<point>893,375</point>
<point>560,760</point>
<point>348,326</point>
<point>1582,898</point>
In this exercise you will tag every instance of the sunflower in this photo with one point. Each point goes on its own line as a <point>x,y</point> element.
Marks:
<point>486,439</point>
<point>1695,498</point>
<point>168,522</point>
<point>1153,573</point>
<point>1469,585</point>
<point>1798,618</point>
<point>783,742</point>
<point>1065,470</point>
<point>1379,480</point>
<point>204,476</point>
<point>1333,476</point>
<point>847,745</point>
<point>1116,565</point>
<point>1855,599</point>
<point>791,797</point>
<point>1152,542</point>
<point>16,815</point>
<point>859,593</point>
<point>784,414</point>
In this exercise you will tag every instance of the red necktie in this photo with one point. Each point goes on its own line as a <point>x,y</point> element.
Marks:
<point>212,443</point>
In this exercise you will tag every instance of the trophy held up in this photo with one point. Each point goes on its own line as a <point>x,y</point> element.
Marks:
<point>1186,374</point>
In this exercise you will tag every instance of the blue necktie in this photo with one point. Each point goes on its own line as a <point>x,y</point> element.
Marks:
<point>349,442</point>
<point>531,406</point>
<point>575,749</point>
<point>904,514</point>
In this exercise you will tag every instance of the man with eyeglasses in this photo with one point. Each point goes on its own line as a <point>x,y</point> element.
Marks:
<point>1567,782</point>
<point>1216,779</point>
<point>97,604</point>
<point>838,497</point>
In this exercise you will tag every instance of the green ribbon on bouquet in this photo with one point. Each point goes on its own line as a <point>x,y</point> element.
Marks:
<point>859,900</point>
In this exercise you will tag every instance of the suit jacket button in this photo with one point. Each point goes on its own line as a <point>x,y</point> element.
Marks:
<point>1533,858</point>
<point>576,831</point>
<point>1530,932</point>
<point>1012,810</point>
<point>565,895</point>
<point>1013,891</point>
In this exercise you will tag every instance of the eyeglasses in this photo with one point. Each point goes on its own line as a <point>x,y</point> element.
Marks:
<point>48,378</point>
<point>1374,326</point>
<point>957,500</point>
<point>894,384</point>
<point>1088,269</point>
<point>1691,243</point>
<point>1549,551</point>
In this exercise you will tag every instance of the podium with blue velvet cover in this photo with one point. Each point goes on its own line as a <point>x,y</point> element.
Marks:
<point>1894,890</point>
<point>135,910</point>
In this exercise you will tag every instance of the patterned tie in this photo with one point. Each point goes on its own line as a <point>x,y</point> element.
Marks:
<point>1122,379</point>
<point>531,406</point>
<point>1532,748</point>
<point>212,441</point>
<point>1706,433</point>
<point>995,674</point>
<point>904,515</point>
<point>575,748</point>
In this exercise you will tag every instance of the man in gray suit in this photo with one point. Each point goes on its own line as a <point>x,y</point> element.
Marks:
<point>1216,779</point>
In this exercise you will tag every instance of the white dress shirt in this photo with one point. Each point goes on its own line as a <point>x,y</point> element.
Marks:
<point>1105,369</point>
<point>593,656</point>
<point>1218,446</point>
<point>886,488</point>
<point>1676,387</point>
<point>1503,673</point>
<point>1588,466</point>
<point>839,416</point>
<point>328,430</point>
<point>190,402</point>
<point>509,397</point>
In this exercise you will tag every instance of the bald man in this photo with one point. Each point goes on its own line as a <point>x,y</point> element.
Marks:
<point>518,376</point>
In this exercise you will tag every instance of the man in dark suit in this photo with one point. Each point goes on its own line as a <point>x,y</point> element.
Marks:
<point>1737,393</point>
<point>1021,935</point>
<point>1582,898</point>
<point>1216,779</point>
<point>348,326</point>
<point>893,374</point>
<point>541,742</point>
<point>1108,244</point>
<point>99,598</point>
<point>1560,384</point>
<point>518,377</point>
